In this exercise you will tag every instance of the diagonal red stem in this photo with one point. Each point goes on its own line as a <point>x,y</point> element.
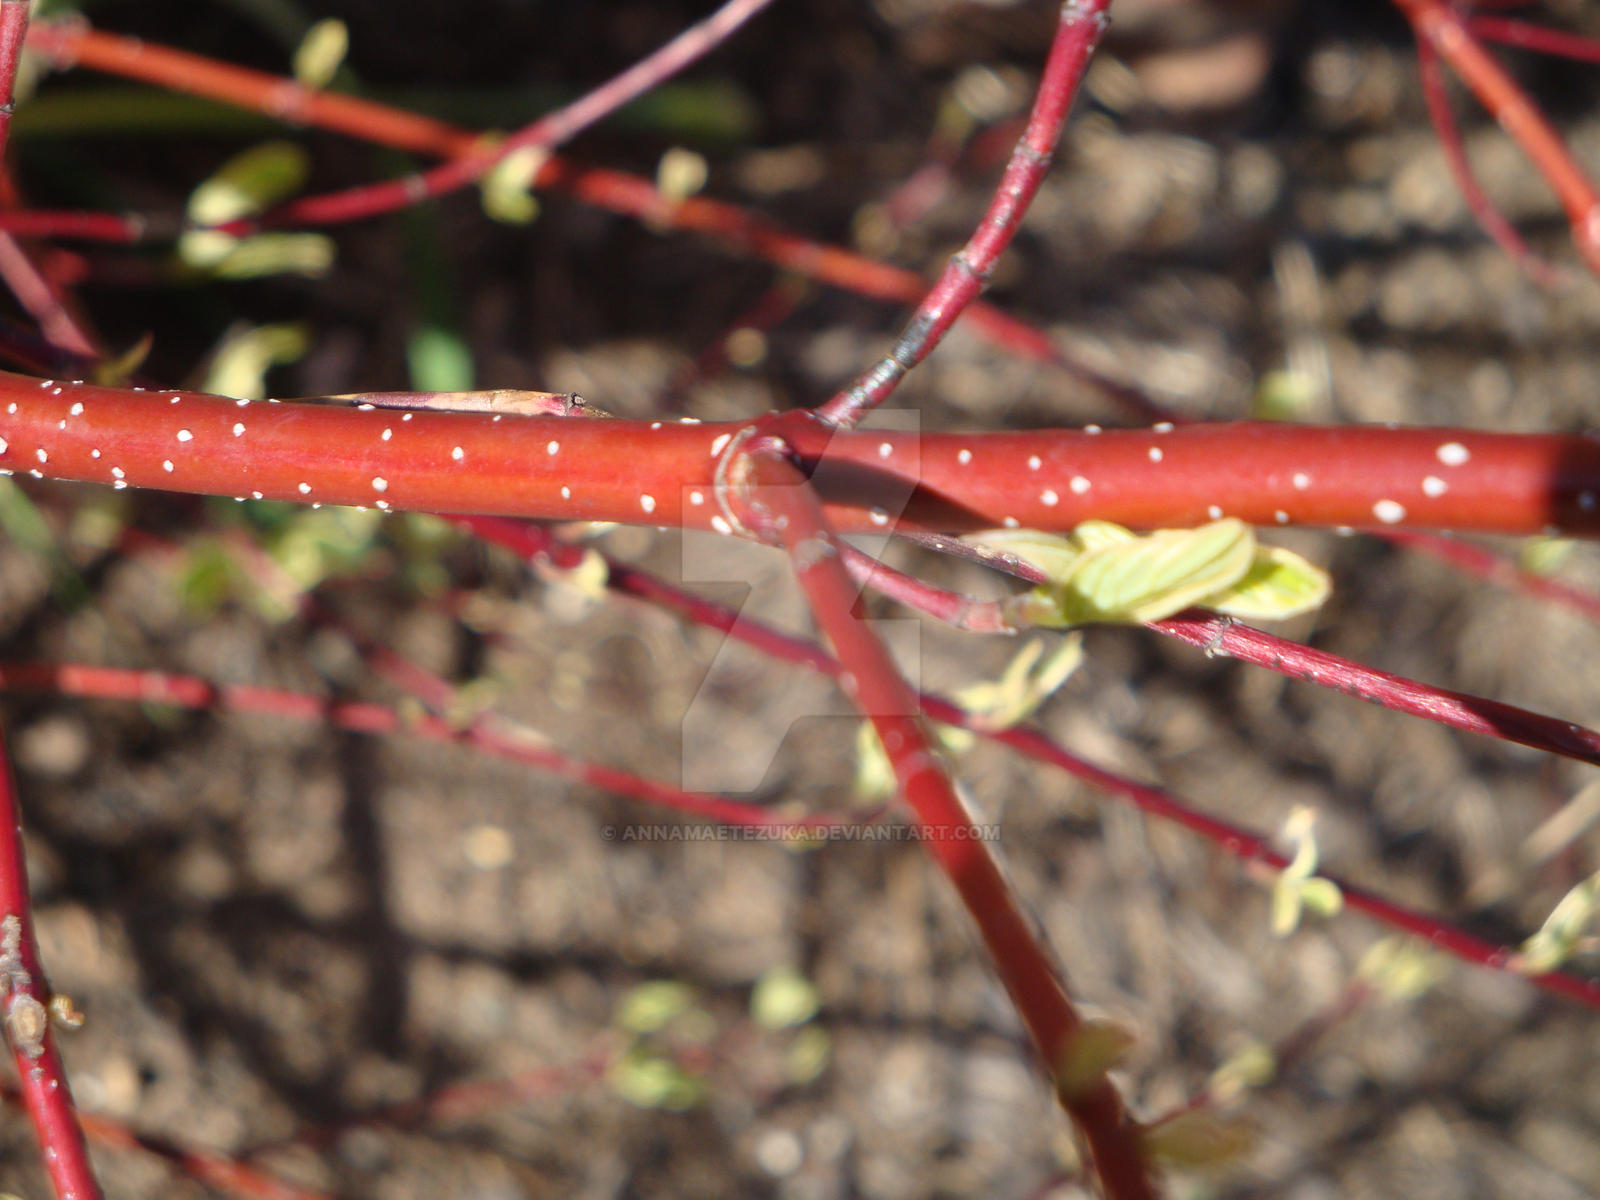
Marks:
<point>770,493</point>
<point>1081,26</point>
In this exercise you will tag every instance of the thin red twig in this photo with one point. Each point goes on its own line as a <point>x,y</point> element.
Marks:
<point>1489,217</point>
<point>1539,38</point>
<point>535,542</point>
<point>214,1170</point>
<point>25,1005</point>
<point>729,226</point>
<point>548,131</point>
<point>187,691</point>
<point>1444,29</point>
<point>770,493</point>
<point>1078,33</point>
<point>1485,564</point>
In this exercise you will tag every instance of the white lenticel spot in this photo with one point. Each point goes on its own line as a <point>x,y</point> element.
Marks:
<point>1215,512</point>
<point>1012,522</point>
<point>457,453</point>
<point>94,453</point>
<point>166,465</point>
<point>719,442</point>
<point>305,489</point>
<point>408,416</point>
<point>1034,462</point>
<point>62,424</point>
<point>185,436</point>
<point>1091,429</point>
<point>238,429</point>
<point>648,503</point>
<point>720,525</point>
<point>697,498</point>
<point>380,484</point>
<point>1049,497</point>
<point>553,448</point>
<point>384,505</point>
<point>1301,481</point>
<point>77,409</point>
<point>55,391</point>
<point>4,445</point>
<point>119,485</point>
<point>387,434</point>
<point>12,408</point>
<point>566,493</point>
<point>1162,427</point>
<point>256,495</point>
<point>878,517</point>
<point>1155,454</point>
<point>117,473</point>
<point>964,457</point>
<point>1079,485</point>
<point>1281,517</point>
<point>42,456</point>
<point>885,449</point>
<point>1434,486</point>
<point>236,403</point>
<point>1389,512</point>
<point>1453,454</point>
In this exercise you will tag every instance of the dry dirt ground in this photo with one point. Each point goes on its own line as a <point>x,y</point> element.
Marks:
<point>275,928</point>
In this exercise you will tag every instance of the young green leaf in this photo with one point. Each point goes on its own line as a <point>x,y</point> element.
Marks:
<point>1279,584</point>
<point>321,53</point>
<point>1102,572</point>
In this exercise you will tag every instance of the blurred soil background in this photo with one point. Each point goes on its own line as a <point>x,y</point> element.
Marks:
<point>275,928</point>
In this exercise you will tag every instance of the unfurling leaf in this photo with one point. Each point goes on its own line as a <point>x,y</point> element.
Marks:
<point>1025,684</point>
<point>1102,572</point>
<point>1564,931</point>
<point>1198,1138</point>
<point>655,1005</point>
<point>652,1080</point>
<point>1279,584</point>
<point>1401,969</point>
<point>321,52</point>
<point>1299,888</point>
<point>507,186</point>
<point>240,362</point>
<point>249,182</point>
<point>1095,1048</point>
<point>1253,1065</point>
<point>783,998</point>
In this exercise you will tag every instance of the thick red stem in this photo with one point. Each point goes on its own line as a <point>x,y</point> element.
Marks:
<point>662,473</point>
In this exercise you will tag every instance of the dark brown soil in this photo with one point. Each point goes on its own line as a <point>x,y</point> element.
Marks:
<point>274,928</point>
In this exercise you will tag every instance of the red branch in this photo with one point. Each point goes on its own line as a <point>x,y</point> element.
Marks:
<point>26,1006</point>
<point>1082,25</point>
<point>187,691</point>
<point>535,542</point>
<point>13,29</point>
<point>551,130</point>
<point>662,473</point>
<point>771,493</point>
<point>728,225</point>
<point>1443,28</point>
